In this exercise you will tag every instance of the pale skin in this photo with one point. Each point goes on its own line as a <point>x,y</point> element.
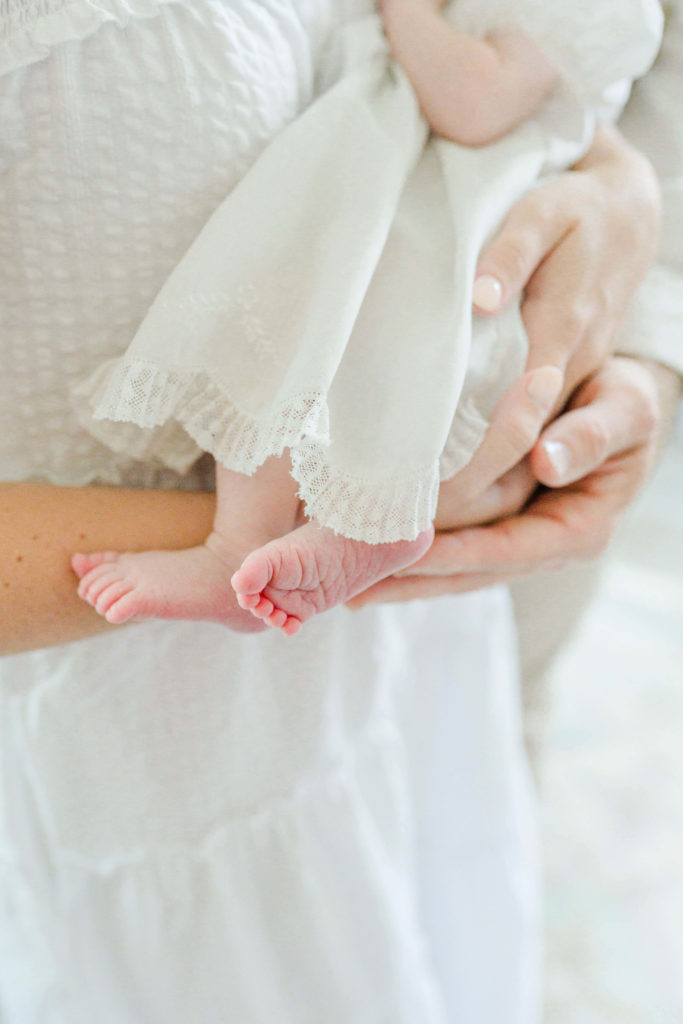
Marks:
<point>260,556</point>
<point>613,429</point>
<point>43,524</point>
<point>290,573</point>
<point>561,244</point>
<point>471,90</point>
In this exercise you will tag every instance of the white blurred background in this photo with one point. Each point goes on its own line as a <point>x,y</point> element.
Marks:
<point>611,772</point>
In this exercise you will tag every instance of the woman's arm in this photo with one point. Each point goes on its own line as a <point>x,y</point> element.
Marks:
<point>42,526</point>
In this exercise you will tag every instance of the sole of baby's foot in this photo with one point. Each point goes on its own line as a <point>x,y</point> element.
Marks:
<point>193,584</point>
<point>291,579</point>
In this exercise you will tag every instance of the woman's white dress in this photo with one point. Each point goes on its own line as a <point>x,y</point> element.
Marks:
<point>196,825</point>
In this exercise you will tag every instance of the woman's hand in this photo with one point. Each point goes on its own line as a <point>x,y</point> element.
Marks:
<point>593,459</point>
<point>578,246</point>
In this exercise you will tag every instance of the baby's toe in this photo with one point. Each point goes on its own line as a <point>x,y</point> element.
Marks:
<point>263,609</point>
<point>291,626</point>
<point>92,585</point>
<point>111,595</point>
<point>82,564</point>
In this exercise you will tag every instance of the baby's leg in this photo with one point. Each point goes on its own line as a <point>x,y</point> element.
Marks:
<point>195,583</point>
<point>311,569</point>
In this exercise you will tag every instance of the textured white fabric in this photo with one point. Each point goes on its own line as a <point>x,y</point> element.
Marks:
<point>197,826</point>
<point>326,305</point>
<point>106,149</point>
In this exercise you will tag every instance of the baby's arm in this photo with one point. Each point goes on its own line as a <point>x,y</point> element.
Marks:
<point>470,90</point>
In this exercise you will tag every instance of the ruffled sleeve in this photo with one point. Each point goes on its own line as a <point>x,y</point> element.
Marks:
<point>30,28</point>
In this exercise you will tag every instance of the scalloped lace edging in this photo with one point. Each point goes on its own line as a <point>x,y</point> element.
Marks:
<point>29,28</point>
<point>147,413</point>
<point>171,416</point>
<point>375,512</point>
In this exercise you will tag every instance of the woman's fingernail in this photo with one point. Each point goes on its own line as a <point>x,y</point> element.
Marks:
<point>559,457</point>
<point>487,293</point>
<point>544,386</point>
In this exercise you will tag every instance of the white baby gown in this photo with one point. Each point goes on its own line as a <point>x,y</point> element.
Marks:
<point>326,306</point>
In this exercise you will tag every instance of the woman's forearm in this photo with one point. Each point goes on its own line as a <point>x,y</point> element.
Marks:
<point>42,527</point>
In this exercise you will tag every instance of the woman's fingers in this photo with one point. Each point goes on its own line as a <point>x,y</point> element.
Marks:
<point>532,229</point>
<point>597,455</point>
<point>416,588</point>
<point>550,250</point>
<point>513,431</point>
<point>576,247</point>
<point>557,527</point>
<point>612,432</point>
<point>503,498</point>
<point>613,412</point>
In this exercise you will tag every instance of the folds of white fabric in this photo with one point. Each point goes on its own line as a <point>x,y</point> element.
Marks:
<point>240,832</point>
<point>260,310</point>
<point>325,308</point>
<point>234,833</point>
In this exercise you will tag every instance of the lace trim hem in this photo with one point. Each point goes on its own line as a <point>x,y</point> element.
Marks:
<point>375,512</point>
<point>28,32</point>
<point>148,413</point>
<point>172,416</point>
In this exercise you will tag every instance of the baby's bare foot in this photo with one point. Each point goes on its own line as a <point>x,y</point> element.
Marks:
<point>192,584</point>
<point>311,569</point>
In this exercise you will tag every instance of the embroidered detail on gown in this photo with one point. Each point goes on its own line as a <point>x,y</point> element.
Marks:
<point>326,305</point>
